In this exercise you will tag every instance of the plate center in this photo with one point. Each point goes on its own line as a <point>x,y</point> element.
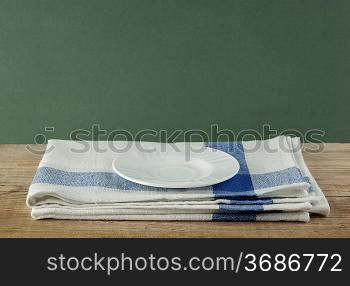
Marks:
<point>176,173</point>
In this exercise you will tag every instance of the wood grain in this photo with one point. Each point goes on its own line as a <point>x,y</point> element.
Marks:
<point>331,168</point>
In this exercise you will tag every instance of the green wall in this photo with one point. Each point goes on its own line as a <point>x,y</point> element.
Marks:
<point>173,64</point>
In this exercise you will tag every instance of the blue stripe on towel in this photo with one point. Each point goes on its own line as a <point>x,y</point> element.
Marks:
<point>48,175</point>
<point>286,177</point>
<point>239,185</point>
<point>265,201</point>
<point>234,217</point>
<point>225,208</point>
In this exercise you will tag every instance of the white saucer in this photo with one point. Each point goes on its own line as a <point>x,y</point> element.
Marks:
<point>167,167</point>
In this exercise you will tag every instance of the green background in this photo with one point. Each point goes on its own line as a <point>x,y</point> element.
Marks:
<point>179,64</point>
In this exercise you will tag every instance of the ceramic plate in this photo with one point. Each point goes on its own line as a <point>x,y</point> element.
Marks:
<point>165,166</point>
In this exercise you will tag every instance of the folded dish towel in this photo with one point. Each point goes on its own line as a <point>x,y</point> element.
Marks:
<point>75,180</point>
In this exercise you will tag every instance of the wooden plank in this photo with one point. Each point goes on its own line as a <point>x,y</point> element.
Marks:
<point>331,169</point>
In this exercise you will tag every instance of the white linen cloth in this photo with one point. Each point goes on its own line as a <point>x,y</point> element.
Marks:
<point>75,180</point>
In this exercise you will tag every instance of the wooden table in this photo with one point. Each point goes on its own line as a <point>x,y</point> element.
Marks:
<point>331,169</point>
